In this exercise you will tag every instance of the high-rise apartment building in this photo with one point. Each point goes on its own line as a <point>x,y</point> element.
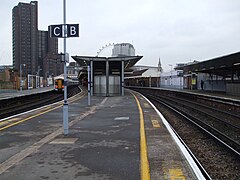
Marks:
<point>25,37</point>
<point>33,50</point>
<point>49,60</point>
<point>123,49</point>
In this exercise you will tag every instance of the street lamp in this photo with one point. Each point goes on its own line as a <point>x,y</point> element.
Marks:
<point>171,75</point>
<point>21,75</point>
<point>38,77</point>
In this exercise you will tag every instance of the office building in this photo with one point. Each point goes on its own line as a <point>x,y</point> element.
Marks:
<point>123,49</point>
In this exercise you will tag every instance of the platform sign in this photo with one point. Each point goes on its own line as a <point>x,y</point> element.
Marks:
<point>72,30</point>
<point>57,31</point>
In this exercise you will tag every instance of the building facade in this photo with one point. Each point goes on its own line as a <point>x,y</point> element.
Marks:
<point>123,49</point>
<point>49,60</point>
<point>7,78</point>
<point>25,37</point>
<point>34,52</point>
<point>172,79</point>
<point>143,76</point>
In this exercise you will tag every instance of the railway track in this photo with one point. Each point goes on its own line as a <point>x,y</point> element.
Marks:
<point>9,107</point>
<point>210,132</point>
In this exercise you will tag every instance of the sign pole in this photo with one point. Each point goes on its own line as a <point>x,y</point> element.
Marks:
<point>63,31</point>
<point>65,104</point>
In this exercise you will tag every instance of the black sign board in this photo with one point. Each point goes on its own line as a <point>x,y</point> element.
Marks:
<point>72,30</point>
<point>58,30</point>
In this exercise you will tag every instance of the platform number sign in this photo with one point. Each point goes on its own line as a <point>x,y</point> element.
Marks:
<point>57,31</point>
<point>73,30</point>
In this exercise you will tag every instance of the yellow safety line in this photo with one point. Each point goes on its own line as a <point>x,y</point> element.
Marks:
<point>28,118</point>
<point>145,173</point>
<point>10,125</point>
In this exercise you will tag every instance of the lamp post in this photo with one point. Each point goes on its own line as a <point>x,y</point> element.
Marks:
<point>171,75</point>
<point>21,75</point>
<point>38,77</point>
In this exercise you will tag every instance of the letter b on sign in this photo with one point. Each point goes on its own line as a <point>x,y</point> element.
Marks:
<point>73,30</point>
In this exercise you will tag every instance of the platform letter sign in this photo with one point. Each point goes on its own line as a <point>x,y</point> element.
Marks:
<point>58,30</point>
<point>72,30</point>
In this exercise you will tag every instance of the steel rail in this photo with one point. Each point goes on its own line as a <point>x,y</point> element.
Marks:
<point>203,112</point>
<point>202,169</point>
<point>185,115</point>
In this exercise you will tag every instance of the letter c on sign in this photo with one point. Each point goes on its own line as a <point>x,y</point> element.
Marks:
<point>56,31</point>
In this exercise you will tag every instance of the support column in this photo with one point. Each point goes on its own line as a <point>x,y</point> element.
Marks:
<point>122,78</point>
<point>91,67</point>
<point>89,84</point>
<point>107,78</point>
<point>150,81</point>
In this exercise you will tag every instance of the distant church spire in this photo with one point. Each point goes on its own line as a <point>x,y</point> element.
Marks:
<point>160,66</point>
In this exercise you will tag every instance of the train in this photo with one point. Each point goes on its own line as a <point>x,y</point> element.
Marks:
<point>59,83</point>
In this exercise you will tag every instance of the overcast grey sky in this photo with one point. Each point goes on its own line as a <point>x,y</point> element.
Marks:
<point>174,30</point>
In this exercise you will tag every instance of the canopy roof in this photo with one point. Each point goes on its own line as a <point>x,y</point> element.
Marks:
<point>129,61</point>
<point>223,66</point>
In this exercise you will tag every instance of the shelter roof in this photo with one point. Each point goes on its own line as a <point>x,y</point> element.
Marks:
<point>138,73</point>
<point>223,65</point>
<point>129,61</point>
<point>150,72</point>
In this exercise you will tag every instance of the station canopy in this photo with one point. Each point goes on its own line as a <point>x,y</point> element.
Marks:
<point>129,61</point>
<point>222,66</point>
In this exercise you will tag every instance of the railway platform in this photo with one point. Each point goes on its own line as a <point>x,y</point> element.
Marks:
<point>11,94</point>
<point>220,95</point>
<point>121,137</point>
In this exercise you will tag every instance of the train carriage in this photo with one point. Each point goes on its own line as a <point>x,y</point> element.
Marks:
<point>59,83</point>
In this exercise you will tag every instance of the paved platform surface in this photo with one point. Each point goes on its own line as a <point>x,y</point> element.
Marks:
<point>104,142</point>
<point>12,94</point>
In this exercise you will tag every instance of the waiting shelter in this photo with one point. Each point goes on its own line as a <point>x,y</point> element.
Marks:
<point>107,73</point>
